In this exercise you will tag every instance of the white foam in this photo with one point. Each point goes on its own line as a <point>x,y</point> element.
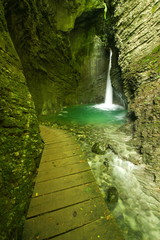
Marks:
<point>106,107</point>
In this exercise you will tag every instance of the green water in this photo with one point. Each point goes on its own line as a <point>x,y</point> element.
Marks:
<point>88,114</point>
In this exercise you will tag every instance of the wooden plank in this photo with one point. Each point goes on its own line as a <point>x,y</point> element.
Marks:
<point>60,155</point>
<point>61,144</point>
<point>57,138</point>
<point>62,171</point>
<point>57,141</point>
<point>97,230</point>
<point>44,166</point>
<point>65,145</point>
<point>55,133</point>
<point>49,134</point>
<point>61,148</point>
<point>65,198</point>
<point>58,135</point>
<point>63,183</point>
<point>63,220</point>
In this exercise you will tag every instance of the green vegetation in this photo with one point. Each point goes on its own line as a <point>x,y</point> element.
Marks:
<point>20,141</point>
<point>149,64</point>
<point>152,60</point>
<point>154,8</point>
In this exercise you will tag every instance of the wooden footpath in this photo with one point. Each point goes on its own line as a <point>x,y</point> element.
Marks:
<point>66,202</point>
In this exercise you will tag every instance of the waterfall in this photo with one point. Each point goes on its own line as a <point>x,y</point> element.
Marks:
<point>109,91</point>
<point>108,103</point>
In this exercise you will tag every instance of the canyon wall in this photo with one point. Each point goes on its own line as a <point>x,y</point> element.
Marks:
<point>88,47</point>
<point>19,138</point>
<point>41,33</point>
<point>55,53</point>
<point>39,75</point>
<point>137,36</point>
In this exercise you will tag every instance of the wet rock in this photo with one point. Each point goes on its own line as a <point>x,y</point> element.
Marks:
<point>112,197</point>
<point>131,116</point>
<point>98,148</point>
<point>140,72</point>
<point>81,137</point>
<point>154,177</point>
<point>106,163</point>
<point>113,148</point>
<point>116,149</point>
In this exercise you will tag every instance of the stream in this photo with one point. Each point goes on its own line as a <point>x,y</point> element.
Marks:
<point>137,210</point>
<point>130,188</point>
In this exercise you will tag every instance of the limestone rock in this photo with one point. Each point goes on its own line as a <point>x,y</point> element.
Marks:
<point>20,141</point>
<point>98,148</point>
<point>137,31</point>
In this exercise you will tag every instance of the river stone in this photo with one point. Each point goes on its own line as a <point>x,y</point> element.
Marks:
<point>98,148</point>
<point>112,197</point>
<point>106,163</point>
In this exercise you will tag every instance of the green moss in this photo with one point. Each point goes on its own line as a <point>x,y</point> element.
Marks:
<point>154,8</point>
<point>149,64</point>
<point>152,60</point>
<point>141,81</point>
<point>156,50</point>
<point>20,140</point>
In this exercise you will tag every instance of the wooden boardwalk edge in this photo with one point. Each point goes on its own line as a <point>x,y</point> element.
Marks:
<point>66,202</point>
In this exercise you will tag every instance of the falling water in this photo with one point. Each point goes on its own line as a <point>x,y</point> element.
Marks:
<point>109,91</point>
<point>108,104</point>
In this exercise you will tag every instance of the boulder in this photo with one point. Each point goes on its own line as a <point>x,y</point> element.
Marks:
<point>98,148</point>
<point>111,197</point>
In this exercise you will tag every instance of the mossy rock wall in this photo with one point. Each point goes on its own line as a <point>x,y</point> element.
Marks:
<point>90,56</point>
<point>67,11</point>
<point>19,139</point>
<point>136,26</point>
<point>40,31</point>
<point>44,52</point>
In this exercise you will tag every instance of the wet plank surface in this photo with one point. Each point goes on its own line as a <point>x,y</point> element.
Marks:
<point>66,202</point>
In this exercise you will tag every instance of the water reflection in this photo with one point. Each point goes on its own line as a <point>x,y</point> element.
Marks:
<point>91,114</point>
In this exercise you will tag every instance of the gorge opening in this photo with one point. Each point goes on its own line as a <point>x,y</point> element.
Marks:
<point>54,58</point>
<point>98,114</point>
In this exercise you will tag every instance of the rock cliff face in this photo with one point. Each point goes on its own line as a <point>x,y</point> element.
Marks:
<point>137,35</point>
<point>41,34</point>
<point>44,52</point>
<point>19,138</point>
<point>90,56</point>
